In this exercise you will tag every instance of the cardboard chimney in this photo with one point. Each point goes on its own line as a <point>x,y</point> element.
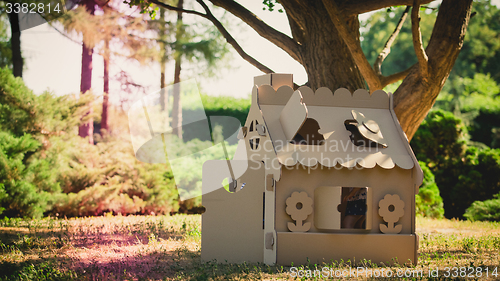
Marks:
<point>329,176</point>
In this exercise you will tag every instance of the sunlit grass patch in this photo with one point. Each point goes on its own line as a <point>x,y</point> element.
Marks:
<point>169,248</point>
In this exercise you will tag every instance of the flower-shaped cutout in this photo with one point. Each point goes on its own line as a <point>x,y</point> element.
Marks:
<point>391,209</point>
<point>299,207</point>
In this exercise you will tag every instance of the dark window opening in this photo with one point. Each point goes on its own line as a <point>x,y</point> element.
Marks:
<point>254,143</point>
<point>263,210</point>
<point>353,207</point>
<point>308,134</point>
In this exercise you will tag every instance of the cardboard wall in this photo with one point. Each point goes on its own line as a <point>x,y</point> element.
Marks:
<point>232,226</point>
<point>298,248</point>
<point>380,181</point>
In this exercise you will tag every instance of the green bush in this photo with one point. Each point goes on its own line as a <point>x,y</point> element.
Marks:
<point>463,174</point>
<point>440,137</point>
<point>477,101</point>
<point>22,112</point>
<point>488,210</point>
<point>219,106</point>
<point>472,177</point>
<point>26,124</point>
<point>107,177</point>
<point>45,167</point>
<point>19,196</point>
<point>428,201</point>
<point>227,106</point>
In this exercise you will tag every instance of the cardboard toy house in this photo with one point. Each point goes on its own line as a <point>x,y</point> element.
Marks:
<point>304,162</point>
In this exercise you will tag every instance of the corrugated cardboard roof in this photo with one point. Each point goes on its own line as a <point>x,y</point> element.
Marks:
<point>331,111</point>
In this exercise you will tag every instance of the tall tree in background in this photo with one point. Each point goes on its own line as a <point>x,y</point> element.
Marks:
<point>99,32</point>
<point>115,26</point>
<point>5,50</point>
<point>87,129</point>
<point>162,39</point>
<point>177,108</point>
<point>105,98</point>
<point>326,41</point>
<point>189,44</point>
<point>20,17</point>
<point>15,44</point>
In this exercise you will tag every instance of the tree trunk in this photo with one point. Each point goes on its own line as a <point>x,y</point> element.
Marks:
<point>87,129</point>
<point>163,62</point>
<point>15,45</point>
<point>324,55</point>
<point>417,94</point>
<point>177,108</point>
<point>105,99</point>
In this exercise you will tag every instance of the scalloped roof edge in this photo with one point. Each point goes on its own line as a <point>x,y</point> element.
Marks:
<point>323,96</point>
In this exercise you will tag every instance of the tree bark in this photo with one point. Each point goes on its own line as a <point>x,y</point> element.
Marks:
<point>163,61</point>
<point>87,129</point>
<point>105,99</point>
<point>416,95</point>
<point>15,45</point>
<point>323,52</point>
<point>177,108</point>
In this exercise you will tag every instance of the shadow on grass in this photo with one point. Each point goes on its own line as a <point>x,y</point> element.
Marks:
<point>34,270</point>
<point>57,255</point>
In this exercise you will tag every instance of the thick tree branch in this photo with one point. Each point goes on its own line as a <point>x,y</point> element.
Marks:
<point>393,78</point>
<point>177,9</point>
<point>359,57</point>
<point>423,60</point>
<point>377,66</point>
<point>415,97</point>
<point>230,39</point>
<point>355,7</point>
<point>277,38</point>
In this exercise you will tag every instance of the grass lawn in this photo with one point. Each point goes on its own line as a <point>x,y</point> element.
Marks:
<point>168,248</point>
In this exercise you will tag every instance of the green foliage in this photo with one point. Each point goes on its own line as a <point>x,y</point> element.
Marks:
<point>19,196</point>
<point>472,177</point>
<point>481,99</point>
<point>428,201</point>
<point>488,210</point>
<point>227,106</point>
<point>218,106</point>
<point>378,28</point>
<point>439,138</point>
<point>480,92</point>
<point>21,112</point>
<point>463,174</point>
<point>5,50</point>
<point>189,172</point>
<point>477,101</point>
<point>481,50</point>
<point>108,178</point>
<point>27,271</point>
<point>204,47</point>
<point>45,167</point>
<point>26,122</point>
<point>270,4</point>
